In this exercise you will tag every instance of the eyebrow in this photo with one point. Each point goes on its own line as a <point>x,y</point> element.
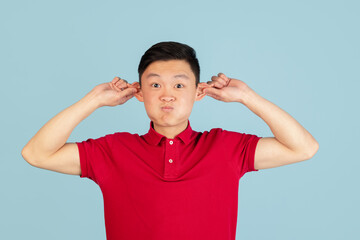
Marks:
<point>176,76</point>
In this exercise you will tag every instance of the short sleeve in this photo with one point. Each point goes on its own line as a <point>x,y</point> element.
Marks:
<point>95,157</point>
<point>240,148</point>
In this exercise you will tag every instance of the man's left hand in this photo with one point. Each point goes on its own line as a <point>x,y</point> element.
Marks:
<point>226,89</point>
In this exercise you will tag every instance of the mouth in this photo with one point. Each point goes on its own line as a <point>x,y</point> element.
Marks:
<point>167,109</point>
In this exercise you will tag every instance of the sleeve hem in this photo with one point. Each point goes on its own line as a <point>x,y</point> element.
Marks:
<point>82,160</point>
<point>252,152</point>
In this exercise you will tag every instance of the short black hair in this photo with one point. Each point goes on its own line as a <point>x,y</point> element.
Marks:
<point>170,50</point>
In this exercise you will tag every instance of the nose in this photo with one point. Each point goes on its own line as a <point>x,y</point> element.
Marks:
<point>167,95</point>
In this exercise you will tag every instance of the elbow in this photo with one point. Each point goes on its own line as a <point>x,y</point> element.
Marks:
<point>311,150</point>
<point>26,154</point>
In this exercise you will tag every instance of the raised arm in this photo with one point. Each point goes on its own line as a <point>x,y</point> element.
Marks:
<point>48,148</point>
<point>291,142</point>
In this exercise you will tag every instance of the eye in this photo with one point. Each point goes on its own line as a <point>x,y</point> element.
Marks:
<point>154,84</point>
<point>180,85</point>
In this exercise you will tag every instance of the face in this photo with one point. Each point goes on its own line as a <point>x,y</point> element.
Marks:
<point>168,91</point>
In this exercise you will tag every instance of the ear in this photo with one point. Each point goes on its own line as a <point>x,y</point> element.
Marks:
<point>199,91</point>
<point>138,94</point>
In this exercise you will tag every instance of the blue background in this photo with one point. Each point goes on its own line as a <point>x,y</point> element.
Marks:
<point>301,55</point>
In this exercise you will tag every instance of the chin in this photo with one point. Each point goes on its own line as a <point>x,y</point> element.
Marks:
<point>168,122</point>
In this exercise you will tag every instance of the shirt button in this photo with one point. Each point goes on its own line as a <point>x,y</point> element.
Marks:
<point>171,142</point>
<point>170,160</point>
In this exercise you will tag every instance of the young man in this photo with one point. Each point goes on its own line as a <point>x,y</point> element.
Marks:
<point>172,182</point>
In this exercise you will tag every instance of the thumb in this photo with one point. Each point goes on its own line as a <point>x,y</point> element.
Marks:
<point>212,92</point>
<point>129,91</point>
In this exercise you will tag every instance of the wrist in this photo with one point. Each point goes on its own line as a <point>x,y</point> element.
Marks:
<point>246,94</point>
<point>92,100</point>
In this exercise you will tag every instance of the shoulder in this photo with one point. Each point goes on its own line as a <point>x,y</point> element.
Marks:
<point>213,135</point>
<point>218,132</point>
<point>232,136</point>
<point>212,131</point>
<point>112,137</point>
<point>223,132</point>
<point>120,136</point>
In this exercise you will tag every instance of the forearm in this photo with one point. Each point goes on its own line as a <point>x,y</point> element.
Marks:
<point>54,134</point>
<point>284,127</point>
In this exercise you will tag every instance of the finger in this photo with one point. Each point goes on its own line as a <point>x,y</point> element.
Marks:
<point>210,83</point>
<point>117,88</point>
<point>122,84</point>
<point>118,85</point>
<point>213,92</point>
<point>135,85</point>
<point>202,90</point>
<point>116,79</point>
<point>226,78</point>
<point>223,76</point>
<point>219,79</point>
<point>129,92</point>
<point>202,85</point>
<point>123,80</point>
<point>218,82</point>
<point>131,85</point>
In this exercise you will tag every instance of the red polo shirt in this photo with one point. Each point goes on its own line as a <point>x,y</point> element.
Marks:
<point>159,188</point>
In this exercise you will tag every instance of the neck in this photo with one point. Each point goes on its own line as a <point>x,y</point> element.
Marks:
<point>172,131</point>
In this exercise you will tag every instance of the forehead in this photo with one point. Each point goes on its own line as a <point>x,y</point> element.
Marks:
<point>166,68</point>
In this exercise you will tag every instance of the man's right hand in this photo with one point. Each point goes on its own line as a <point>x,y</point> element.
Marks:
<point>116,92</point>
<point>48,149</point>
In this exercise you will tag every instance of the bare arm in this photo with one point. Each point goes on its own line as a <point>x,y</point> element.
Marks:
<point>48,149</point>
<point>291,142</point>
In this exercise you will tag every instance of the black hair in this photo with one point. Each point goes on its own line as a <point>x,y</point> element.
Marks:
<point>170,51</point>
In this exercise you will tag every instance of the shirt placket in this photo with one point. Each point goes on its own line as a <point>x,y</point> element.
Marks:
<point>170,159</point>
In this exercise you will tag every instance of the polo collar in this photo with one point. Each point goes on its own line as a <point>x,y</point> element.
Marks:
<point>155,138</point>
